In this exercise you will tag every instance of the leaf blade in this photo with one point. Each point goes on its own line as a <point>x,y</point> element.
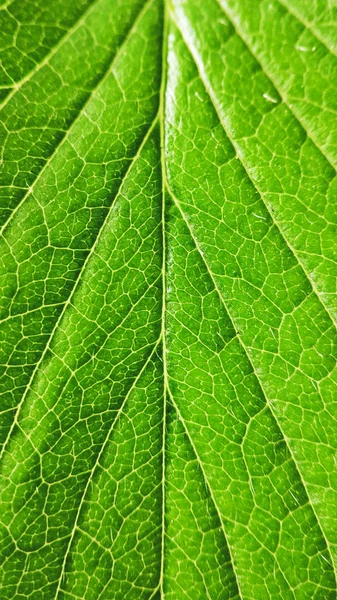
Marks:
<point>43,109</point>
<point>283,170</point>
<point>169,311</point>
<point>246,293</point>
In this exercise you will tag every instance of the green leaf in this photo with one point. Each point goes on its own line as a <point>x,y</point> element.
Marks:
<point>168,300</point>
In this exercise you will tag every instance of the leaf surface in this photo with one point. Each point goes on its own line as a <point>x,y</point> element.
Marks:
<point>168,301</point>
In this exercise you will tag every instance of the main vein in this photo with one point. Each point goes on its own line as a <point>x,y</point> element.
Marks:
<point>162,153</point>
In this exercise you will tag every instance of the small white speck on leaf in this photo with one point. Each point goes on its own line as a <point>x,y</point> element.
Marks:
<point>305,48</point>
<point>269,98</point>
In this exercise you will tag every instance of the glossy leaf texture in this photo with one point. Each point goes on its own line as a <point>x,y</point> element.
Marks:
<point>168,281</point>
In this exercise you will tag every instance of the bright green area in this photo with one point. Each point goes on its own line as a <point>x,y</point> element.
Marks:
<point>168,283</point>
